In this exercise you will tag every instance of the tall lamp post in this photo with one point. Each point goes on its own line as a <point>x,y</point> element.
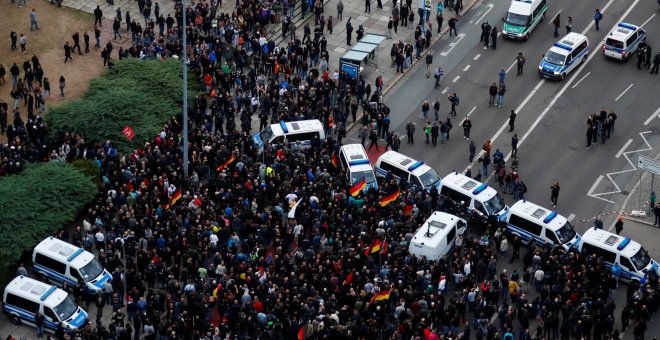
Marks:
<point>185,95</point>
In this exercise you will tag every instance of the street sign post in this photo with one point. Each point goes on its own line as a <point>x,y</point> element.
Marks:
<point>648,164</point>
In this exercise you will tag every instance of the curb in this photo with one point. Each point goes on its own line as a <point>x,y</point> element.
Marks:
<point>639,221</point>
<point>415,63</point>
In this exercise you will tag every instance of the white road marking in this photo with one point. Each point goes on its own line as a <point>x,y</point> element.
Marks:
<point>581,79</point>
<point>647,20</point>
<point>624,92</point>
<point>655,114</point>
<point>467,67</point>
<point>468,115</point>
<point>460,37</point>
<point>445,90</point>
<point>571,217</point>
<point>594,186</point>
<point>625,146</point>
<point>550,21</point>
<point>512,65</point>
<point>477,56</point>
<point>456,79</point>
<point>490,7</point>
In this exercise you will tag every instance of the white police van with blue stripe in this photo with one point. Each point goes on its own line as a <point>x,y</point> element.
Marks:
<point>354,160</point>
<point>24,296</point>
<point>303,132</point>
<point>59,262</point>
<point>564,56</point>
<point>403,167</point>
<point>623,40</point>
<point>533,222</point>
<point>477,197</point>
<point>619,252</point>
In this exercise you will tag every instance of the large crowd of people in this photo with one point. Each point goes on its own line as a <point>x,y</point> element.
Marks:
<point>216,256</point>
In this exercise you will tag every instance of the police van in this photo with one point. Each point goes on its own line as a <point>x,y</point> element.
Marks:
<point>354,160</point>
<point>522,17</point>
<point>303,132</point>
<point>24,297</point>
<point>58,262</point>
<point>629,256</point>
<point>437,236</point>
<point>623,40</point>
<point>406,168</point>
<point>477,197</point>
<point>533,222</point>
<point>564,56</point>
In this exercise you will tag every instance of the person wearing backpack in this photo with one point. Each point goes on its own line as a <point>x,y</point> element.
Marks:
<point>454,103</point>
<point>597,17</point>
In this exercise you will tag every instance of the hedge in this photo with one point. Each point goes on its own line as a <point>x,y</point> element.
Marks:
<point>36,203</point>
<point>141,94</point>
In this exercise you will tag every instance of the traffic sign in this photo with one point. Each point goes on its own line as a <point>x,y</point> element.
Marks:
<point>648,164</point>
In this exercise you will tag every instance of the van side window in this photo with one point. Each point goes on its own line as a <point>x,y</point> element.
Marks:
<point>579,49</point>
<point>631,39</point>
<point>49,314</point>
<point>394,170</point>
<point>626,263</point>
<point>416,181</point>
<point>550,235</point>
<point>278,140</point>
<point>451,235</point>
<point>25,304</point>
<point>454,195</point>
<point>525,225</point>
<point>342,157</point>
<point>50,263</point>
<point>480,207</point>
<point>606,255</point>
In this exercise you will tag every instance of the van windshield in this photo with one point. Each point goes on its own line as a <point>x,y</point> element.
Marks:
<point>614,43</point>
<point>495,204</point>
<point>91,270</point>
<point>555,58</point>
<point>641,259</point>
<point>266,134</point>
<point>517,19</point>
<point>358,176</point>
<point>565,233</point>
<point>66,309</point>
<point>429,178</point>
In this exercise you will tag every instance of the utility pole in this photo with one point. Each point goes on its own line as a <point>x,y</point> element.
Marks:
<point>185,96</point>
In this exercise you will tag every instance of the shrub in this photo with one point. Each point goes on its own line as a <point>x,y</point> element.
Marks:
<point>36,203</point>
<point>141,94</point>
<point>88,168</point>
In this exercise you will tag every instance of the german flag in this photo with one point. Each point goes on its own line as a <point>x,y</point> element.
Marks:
<point>389,199</point>
<point>358,187</point>
<point>301,332</point>
<point>223,165</point>
<point>374,247</point>
<point>334,160</point>
<point>175,198</point>
<point>384,295</point>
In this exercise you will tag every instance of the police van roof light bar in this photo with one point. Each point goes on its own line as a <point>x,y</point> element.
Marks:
<point>550,217</point>
<point>563,46</point>
<point>283,126</point>
<point>479,189</point>
<point>415,165</point>
<point>47,293</point>
<point>623,244</point>
<point>359,162</point>
<point>75,254</point>
<point>628,26</point>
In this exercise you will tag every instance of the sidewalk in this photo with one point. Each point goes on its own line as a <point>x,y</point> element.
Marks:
<point>639,198</point>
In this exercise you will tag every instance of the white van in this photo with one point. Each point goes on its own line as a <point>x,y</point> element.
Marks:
<point>564,56</point>
<point>533,222</point>
<point>623,40</point>
<point>631,257</point>
<point>437,236</point>
<point>355,161</point>
<point>303,132</point>
<point>522,17</point>
<point>404,167</point>
<point>478,197</point>
<point>60,262</point>
<point>24,296</point>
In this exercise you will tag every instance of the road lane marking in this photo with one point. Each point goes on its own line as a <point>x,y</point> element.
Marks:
<point>460,37</point>
<point>550,21</point>
<point>625,146</point>
<point>571,217</point>
<point>655,114</point>
<point>468,115</point>
<point>624,92</point>
<point>477,56</point>
<point>512,65</point>
<point>594,186</point>
<point>647,21</point>
<point>490,7</point>
<point>581,79</point>
<point>466,68</point>
<point>456,79</point>
<point>445,90</point>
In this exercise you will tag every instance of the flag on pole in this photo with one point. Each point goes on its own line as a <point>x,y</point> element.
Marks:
<point>223,165</point>
<point>389,199</point>
<point>175,198</point>
<point>374,247</point>
<point>358,187</point>
<point>384,295</point>
<point>301,332</point>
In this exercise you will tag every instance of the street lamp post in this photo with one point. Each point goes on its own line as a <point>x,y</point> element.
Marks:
<point>185,95</point>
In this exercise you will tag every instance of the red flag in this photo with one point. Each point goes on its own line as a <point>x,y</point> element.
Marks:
<point>128,132</point>
<point>349,278</point>
<point>301,333</point>
<point>383,248</point>
<point>407,211</point>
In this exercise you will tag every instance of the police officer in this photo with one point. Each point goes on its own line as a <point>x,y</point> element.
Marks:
<point>349,31</point>
<point>485,29</point>
<point>641,57</point>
